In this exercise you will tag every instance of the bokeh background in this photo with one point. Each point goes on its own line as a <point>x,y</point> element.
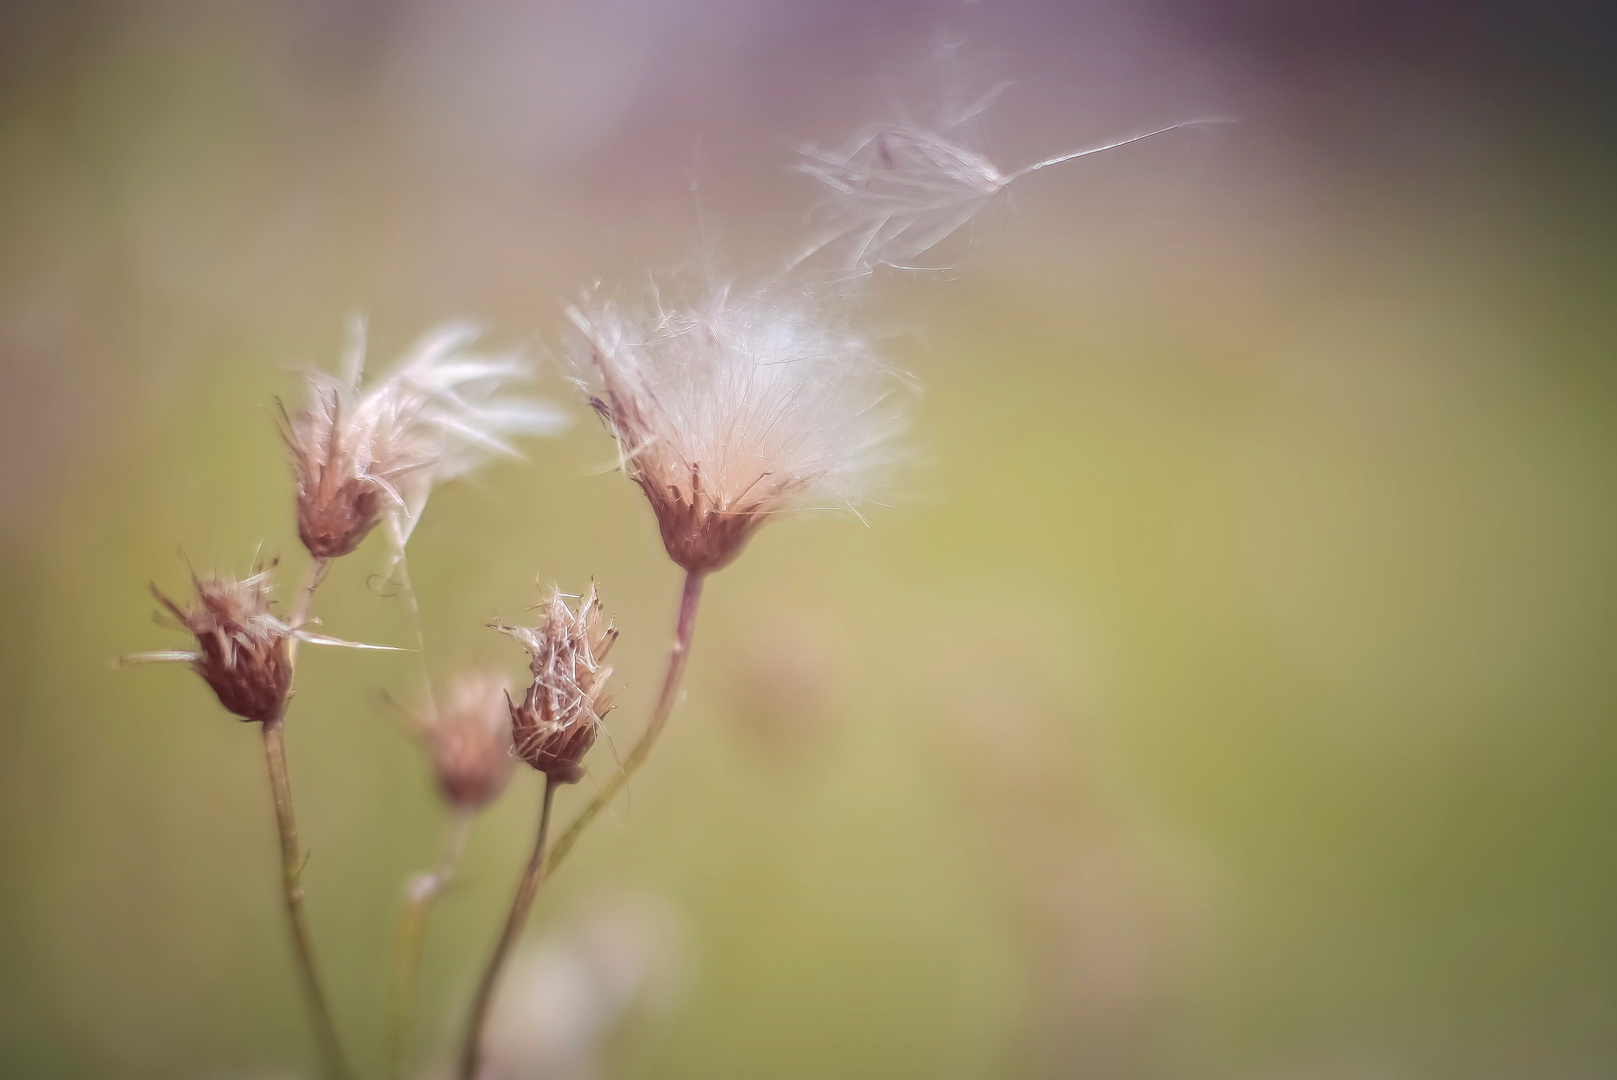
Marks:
<point>1228,692</point>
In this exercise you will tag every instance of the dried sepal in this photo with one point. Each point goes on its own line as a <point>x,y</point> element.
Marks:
<point>556,722</point>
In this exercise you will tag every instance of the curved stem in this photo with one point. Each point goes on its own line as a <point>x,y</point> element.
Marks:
<point>419,897</point>
<point>471,1053</point>
<point>684,628</point>
<point>291,870</point>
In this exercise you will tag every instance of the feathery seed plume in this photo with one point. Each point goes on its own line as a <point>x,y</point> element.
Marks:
<point>374,454</point>
<point>735,409</point>
<point>560,715</point>
<point>897,190</point>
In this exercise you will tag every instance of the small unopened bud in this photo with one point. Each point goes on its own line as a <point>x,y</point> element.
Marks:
<point>241,646</point>
<point>469,739</point>
<point>557,721</point>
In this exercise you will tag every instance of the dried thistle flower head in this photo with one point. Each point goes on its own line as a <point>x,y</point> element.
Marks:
<point>559,717</point>
<point>735,409</point>
<point>242,650</point>
<point>468,737</point>
<point>241,646</point>
<point>897,190</point>
<point>364,456</point>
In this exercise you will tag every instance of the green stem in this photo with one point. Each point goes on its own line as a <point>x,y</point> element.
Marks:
<point>325,1031</point>
<point>421,893</point>
<point>471,1053</point>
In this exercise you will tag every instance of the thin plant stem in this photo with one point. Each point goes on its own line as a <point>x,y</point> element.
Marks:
<point>422,891</point>
<point>325,1031</point>
<point>684,628</point>
<point>300,609</point>
<point>471,1053</point>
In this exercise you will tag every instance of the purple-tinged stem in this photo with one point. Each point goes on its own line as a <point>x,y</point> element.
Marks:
<point>300,608</point>
<point>684,628</point>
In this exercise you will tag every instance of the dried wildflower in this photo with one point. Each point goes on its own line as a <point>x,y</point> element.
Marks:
<point>731,411</point>
<point>242,646</point>
<point>898,190</point>
<point>469,739</point>
<point>364,456</point>
<point>563,708</point>
<point>561,713</point>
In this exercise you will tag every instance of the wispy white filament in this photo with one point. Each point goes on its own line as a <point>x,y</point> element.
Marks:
<point>896,191</point>
<point>740,402</point>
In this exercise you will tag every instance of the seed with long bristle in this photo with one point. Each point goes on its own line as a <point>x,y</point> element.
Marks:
<point>895,191</point>
<point>559,717</point>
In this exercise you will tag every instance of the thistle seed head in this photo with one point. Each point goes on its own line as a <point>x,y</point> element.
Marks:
<point>469,740</point>
<point>561,713</point>
<point>734,409</point>
<point>364,456</point>
<point>241,646</point>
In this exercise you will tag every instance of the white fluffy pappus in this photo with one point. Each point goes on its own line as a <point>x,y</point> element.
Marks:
<point>735,408</point>
<point>369,453</point>
<point>897,190</point>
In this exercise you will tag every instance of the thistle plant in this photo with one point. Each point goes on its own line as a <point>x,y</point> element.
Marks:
<point>726,414</point>
<point>552,729</point>
<point>728,408</point>
<point>360,457</point>
<point>245,654</point>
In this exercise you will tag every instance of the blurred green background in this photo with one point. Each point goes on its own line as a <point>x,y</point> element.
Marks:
<point>1227,694</point>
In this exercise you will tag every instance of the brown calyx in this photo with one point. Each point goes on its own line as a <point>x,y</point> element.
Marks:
<point>242,648</point>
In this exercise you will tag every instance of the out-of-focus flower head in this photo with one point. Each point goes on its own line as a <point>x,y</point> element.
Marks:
<point>895,191</point>
<point>571,999</point>
<point>373,454</point>
<point>468,736</point>
<point>242,646</point>
<point>736,408</point>
<point>560,715</point>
